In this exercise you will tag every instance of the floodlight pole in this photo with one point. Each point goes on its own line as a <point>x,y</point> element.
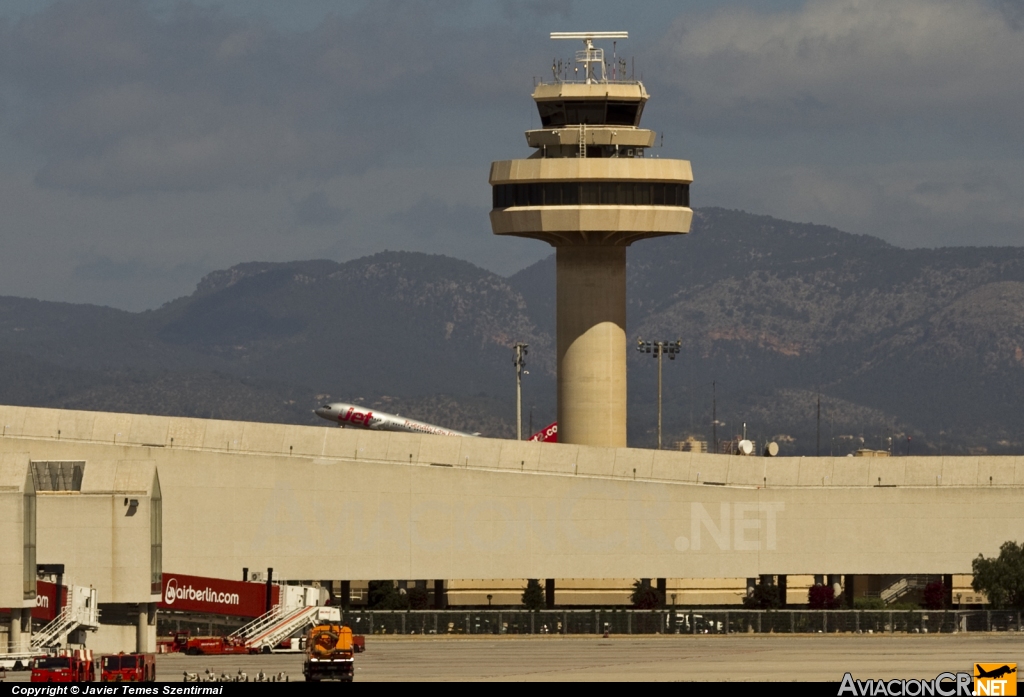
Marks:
<point>660,352</point>
<point>519,361</point>
<point>658,349</point>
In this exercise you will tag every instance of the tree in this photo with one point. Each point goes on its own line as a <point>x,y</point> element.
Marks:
<point>382,595</point>
<point>1001,578</point>
<point>419,598</point>
<point>644,597</point>
<point>765,597</point>
<point>822,597</point>
<point>935,596</point>
<point>533,595</point>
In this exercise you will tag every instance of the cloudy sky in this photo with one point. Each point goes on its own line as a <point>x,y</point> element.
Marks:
<point>146,143</point>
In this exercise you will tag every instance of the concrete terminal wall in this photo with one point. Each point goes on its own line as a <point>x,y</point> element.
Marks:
<point>485,453</point>
<point>101,541</point>
<point>15,483</point>
<point>359,504</point>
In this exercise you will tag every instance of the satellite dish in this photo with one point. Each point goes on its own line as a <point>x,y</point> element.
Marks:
<point>744,447</point>
<point>771,450</point>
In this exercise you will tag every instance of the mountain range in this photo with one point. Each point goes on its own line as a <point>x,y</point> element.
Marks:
<point>918,350</point>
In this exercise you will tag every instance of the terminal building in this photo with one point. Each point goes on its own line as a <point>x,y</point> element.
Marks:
<point>132,498</point>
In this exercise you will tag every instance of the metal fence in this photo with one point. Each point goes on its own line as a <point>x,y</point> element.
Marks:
<point>697,621</point>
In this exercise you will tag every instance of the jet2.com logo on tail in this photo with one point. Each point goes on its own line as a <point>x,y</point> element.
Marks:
<point>173,592</point>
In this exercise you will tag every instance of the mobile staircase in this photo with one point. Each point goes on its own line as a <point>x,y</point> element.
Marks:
<point>297,609</point>
<point>899,586</point>
<point>80,612</point>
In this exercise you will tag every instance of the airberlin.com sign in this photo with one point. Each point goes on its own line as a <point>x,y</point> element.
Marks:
<point>213,595</point>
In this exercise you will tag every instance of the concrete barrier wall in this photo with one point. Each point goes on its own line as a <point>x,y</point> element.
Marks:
<point>486,453</point>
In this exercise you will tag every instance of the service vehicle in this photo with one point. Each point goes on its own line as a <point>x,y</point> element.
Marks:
<point>63,669</point>
<point>128,667</point>
<point>184,642</point>
<point>329,654</point>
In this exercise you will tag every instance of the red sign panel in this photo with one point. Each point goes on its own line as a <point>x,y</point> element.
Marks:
<point>214,595</point>
<point>547,435</point>
<point>46,600</point>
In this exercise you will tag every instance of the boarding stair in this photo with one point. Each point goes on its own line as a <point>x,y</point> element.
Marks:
<point>296,610</point>
<point>899,586</point>
<point>81,611</point>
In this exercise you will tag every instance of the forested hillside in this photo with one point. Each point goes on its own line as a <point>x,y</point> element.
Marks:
<point>926,343</point>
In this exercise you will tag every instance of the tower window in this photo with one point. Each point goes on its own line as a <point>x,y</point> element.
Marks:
<point>608,193</point>
<point>592,112</point>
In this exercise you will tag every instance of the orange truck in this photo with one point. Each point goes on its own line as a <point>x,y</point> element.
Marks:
<point>329,654</point>
<point>73,668</point>
<point>128,667</point>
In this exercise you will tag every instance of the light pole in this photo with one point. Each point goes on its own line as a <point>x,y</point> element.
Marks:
<point>520,362</point>
<point>657,349</point>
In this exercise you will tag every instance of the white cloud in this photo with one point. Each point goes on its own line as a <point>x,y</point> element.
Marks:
<point>848,64</point>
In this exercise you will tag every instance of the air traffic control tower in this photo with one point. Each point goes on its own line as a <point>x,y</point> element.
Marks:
<point>591,189</point>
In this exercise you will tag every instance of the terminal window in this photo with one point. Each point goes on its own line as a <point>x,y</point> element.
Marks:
<point>58,475</point>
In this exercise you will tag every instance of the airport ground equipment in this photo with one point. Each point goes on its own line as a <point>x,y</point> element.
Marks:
<point>184,642</point>
<point>297,609</point>
<point>128,667</point>
<point>68,666</point>
<point>81,612</point>
<point>329,653</point>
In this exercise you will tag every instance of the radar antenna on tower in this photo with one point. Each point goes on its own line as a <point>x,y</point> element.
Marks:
<point>590,55</point>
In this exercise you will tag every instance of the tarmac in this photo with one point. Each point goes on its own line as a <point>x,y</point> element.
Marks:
<point>622,658</point>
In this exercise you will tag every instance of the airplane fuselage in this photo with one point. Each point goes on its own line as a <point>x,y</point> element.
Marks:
<point>353,416</point>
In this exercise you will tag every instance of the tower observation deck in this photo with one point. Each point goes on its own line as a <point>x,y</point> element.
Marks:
<point>590,190</point>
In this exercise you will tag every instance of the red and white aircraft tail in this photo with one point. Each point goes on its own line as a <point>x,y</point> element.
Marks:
<point>546,435</point>
<point>360,417</point>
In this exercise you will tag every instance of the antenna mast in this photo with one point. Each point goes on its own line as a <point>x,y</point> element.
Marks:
<point>591,55</point>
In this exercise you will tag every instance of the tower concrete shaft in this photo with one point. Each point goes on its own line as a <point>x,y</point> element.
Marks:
<point>590,191</point>
<point>591,328</point>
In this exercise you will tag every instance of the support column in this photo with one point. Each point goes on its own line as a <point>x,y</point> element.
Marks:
<point>782,590</point>
<point>662,589</point>
<point>141,628</point>
<point>26,625</point>
<point>346,594</point>
<point>549,593</point>
<point>848,590</point>
<point>591,319</point>
<point>440,596</point>
<point>836,581</point>
<point>14,638</point>
<point>947,587</point>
